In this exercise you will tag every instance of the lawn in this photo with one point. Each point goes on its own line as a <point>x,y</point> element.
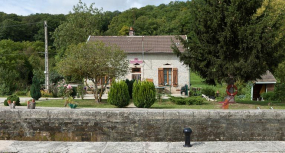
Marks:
<point>197,82</point>
<point>165,104</point>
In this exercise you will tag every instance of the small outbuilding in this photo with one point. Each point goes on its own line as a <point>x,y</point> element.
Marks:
<point>265,84</point>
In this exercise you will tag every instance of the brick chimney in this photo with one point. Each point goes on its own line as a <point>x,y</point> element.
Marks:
<point>131,31</point>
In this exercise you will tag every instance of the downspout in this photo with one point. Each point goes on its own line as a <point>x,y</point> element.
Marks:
<point>143,58</point>
<point>251,95</point>
<point>189,77</point>
<point>88,39</point>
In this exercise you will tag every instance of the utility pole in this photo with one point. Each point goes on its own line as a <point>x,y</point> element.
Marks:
<point>46,58</point>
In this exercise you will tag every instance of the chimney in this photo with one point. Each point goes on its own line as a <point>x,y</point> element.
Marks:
<point>131,32</point>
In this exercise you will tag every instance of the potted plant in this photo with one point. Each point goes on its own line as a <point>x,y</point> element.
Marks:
<point>31,104</point>
<point>71,103</point>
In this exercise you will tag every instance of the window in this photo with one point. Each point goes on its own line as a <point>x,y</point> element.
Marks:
<point>136,70</point>
<point>136,76</point>
<point>168,76</point>
<point>136,73</point>
<point>103,81</point>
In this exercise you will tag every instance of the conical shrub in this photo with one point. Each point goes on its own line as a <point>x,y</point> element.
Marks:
<point>143,94</point>
<point>119,94</point>
<point>36,89</point>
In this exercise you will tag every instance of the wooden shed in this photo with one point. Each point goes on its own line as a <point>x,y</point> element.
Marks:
<point>265,84</point>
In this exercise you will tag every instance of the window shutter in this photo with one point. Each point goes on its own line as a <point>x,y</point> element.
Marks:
<point>160,77</point>
<point>175,77</point>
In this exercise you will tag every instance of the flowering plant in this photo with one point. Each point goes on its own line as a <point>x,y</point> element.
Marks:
<point>64,89</point>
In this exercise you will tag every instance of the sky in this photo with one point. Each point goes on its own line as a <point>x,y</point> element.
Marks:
<point>27,7</point>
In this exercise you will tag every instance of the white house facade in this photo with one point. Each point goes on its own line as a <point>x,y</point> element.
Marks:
<point>151,58</point>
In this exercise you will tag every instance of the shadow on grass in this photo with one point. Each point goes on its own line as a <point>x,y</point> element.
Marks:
<point>261,103</point>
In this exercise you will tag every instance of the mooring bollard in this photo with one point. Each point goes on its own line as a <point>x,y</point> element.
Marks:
<point>187,132</point>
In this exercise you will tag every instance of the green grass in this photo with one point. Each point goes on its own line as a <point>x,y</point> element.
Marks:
<point>166,104</point>
<point>86,103</point>
<point>197,81</point>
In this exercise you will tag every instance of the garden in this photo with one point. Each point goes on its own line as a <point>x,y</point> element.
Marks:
<point>142,94</point>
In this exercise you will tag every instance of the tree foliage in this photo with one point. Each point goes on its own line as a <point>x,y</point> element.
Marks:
<point>119,95</point>
<point>232,39</point>
<point>93,61</point>
<point>143,94</point>
<point>80,23</point>
<point>36,89</point>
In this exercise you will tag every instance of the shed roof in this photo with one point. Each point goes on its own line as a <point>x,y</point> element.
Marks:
<point>267,78</point>
<point>137,44</point>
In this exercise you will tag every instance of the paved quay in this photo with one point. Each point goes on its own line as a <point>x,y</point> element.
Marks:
<point>113,147</point>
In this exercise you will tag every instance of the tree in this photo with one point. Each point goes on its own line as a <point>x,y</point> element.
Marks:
<point>94,61</point>
<point>229,40</point>
<point>119,95</point>
<point>36,89</point>
<point>7,81</point>
<point>79,24</point>
<point>280,72</point>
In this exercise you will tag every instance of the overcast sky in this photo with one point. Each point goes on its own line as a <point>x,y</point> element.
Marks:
<point>27,7</point>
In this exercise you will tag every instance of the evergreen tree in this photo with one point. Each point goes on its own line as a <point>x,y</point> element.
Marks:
<point>36,89</point>
<point>119,95</point>
<point>232,39</point>
<point>143,94</point>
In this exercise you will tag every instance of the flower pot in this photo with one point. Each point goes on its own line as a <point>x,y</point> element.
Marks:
<point>33,105</point>
<point>28,104</point>
<point>72,106</point>
<point>14,104</point>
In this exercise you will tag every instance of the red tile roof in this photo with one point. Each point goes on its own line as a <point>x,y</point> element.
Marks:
<point>137,44</point>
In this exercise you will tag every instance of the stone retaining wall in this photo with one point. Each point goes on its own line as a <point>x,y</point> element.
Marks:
<point>141,125</point>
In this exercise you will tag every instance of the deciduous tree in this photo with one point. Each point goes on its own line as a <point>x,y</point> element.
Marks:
<point>94,61</point>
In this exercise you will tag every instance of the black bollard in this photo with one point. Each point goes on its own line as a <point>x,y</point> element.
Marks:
<point>187,132</point>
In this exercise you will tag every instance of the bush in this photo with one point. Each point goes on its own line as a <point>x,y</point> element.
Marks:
<point>36,89</point>
<point>12,98</point>
<point>81,91</point>
<point>54,90</point>
<point>74,92</point>
<point>268,96</point>
<point>119,95</point>
<point>197,100</point>
<point>21,93</point>
<point>194,100</point>
<point>46,94</point>
<point>130,87</point>
<point>177,100</point>
<point>279,91</point>
<point>208,91</point>
<point>143,94</point>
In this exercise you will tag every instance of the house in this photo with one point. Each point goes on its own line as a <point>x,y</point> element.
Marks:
<point>151,58</point>
<point>265,84</point>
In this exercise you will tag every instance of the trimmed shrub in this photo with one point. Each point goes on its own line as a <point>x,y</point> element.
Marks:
<point>194,101</point>
<point>143,94</point>
<point>178,100</point>
<point>12,98</point>
<point>208,91</point>
<point>118,94</point>
<point>189,100</point>
<point>268,96</point>
<point>36,89</point>
<point>130,87</point>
